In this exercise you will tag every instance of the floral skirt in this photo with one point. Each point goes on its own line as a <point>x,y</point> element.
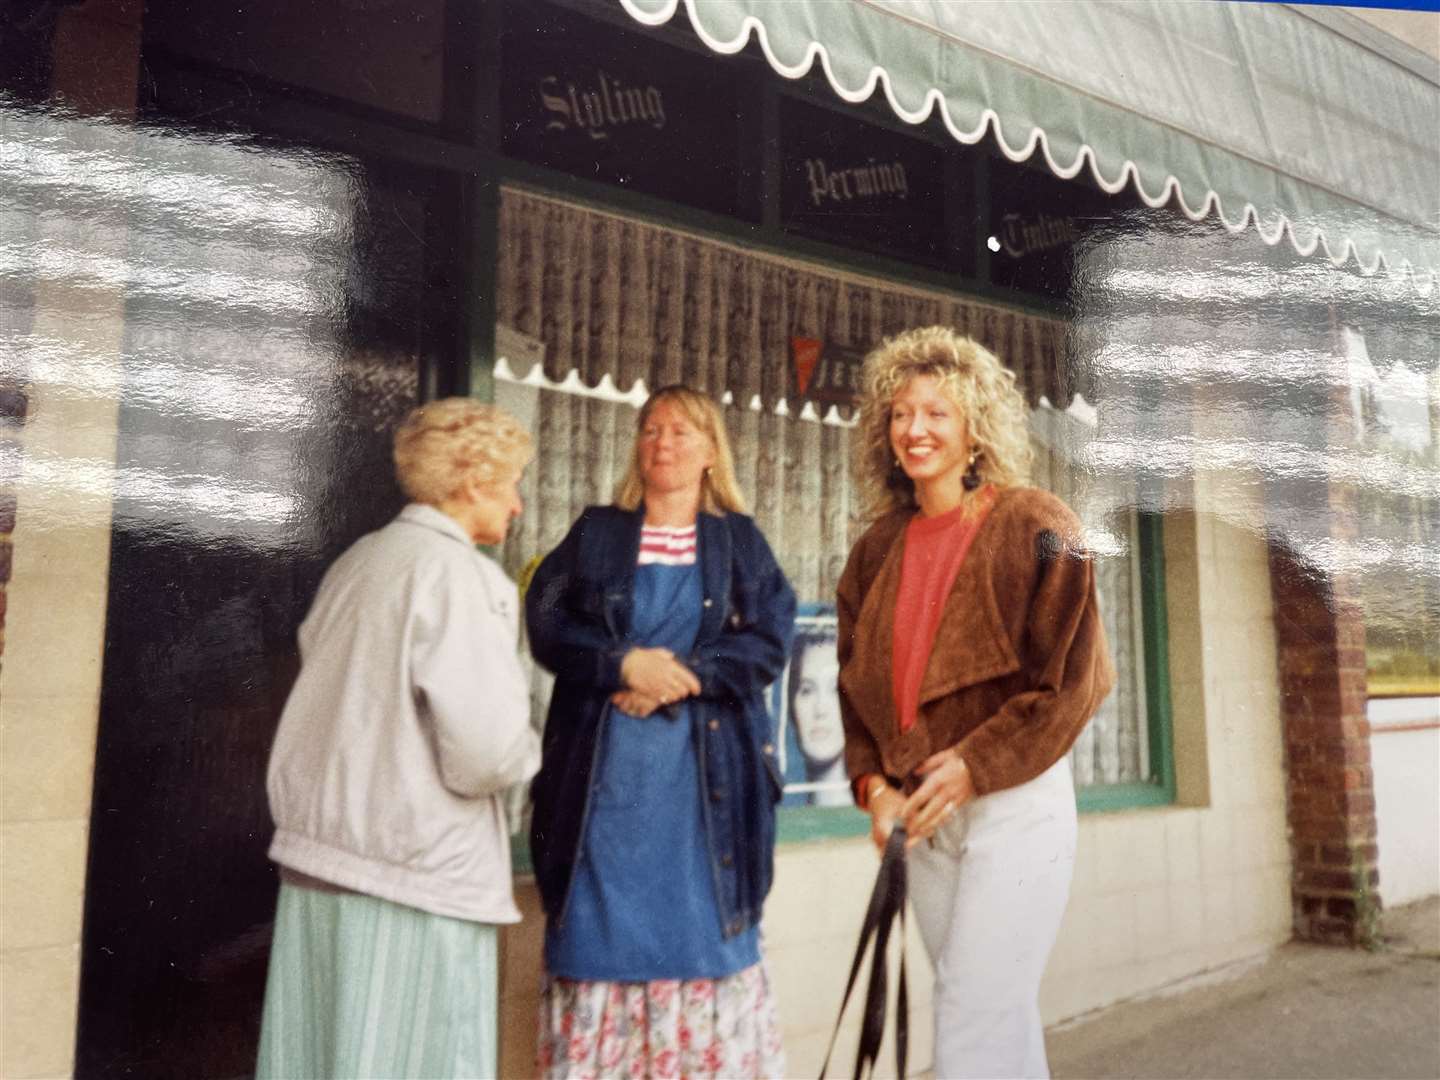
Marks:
<point>658,1030</point>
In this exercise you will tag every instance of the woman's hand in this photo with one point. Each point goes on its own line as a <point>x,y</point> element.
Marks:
<point>657,674</point>
<point>886,805</point>
<point>634,703</point>
<point>947,786</point>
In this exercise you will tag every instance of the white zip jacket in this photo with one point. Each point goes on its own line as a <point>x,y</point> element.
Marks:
<point>410,718</point>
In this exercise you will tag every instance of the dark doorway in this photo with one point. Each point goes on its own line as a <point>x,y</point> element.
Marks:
<point>286,307</point>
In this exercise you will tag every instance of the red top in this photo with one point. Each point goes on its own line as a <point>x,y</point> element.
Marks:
<point>934,549</point>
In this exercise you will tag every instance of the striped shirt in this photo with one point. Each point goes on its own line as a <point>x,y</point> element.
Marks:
<point>667,545</point>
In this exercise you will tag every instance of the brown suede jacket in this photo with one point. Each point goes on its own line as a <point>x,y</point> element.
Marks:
<point>1019,663</point>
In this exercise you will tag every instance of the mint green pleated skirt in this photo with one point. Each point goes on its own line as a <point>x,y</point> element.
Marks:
<point>363,988</point>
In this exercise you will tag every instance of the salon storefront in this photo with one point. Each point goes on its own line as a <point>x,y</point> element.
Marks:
<point>218,302</point>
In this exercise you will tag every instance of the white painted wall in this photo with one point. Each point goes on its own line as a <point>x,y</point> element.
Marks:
<point>1405,756</point>
<point>1167,893</point>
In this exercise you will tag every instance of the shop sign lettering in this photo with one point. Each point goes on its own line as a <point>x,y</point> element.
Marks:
<point>856,183</point>
<point>1027,234</point>
<point>606,105</point>
<point>616,107</point>
<point>871,180</point>
<point>1037,221</point>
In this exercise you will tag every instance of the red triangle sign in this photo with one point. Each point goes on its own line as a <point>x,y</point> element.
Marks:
<point>806,354</point>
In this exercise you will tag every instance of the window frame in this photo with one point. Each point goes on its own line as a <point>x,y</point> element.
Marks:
<point>799,824</point>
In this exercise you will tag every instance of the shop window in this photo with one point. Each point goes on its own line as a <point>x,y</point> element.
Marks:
<point>596,307</point>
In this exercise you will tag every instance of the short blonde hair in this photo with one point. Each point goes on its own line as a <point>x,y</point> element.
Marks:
<point>993,408</point>
<point>446,443</point>
<point>719,491</point>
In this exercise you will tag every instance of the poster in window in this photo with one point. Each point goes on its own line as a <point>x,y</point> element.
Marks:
<point>807,702</point>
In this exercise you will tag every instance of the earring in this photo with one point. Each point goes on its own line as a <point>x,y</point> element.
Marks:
<point>971,480</point>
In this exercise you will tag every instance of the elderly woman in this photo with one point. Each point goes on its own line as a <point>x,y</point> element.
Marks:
<point>663,617</point>
<point>409,719</point>
<point>972,654</point>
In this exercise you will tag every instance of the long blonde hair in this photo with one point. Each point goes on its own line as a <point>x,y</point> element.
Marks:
<point>719,491</point>
<point>984,390</point>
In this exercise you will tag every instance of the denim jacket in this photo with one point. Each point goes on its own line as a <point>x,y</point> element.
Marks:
<point>578,610</point>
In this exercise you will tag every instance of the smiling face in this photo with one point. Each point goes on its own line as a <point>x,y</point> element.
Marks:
<point>673,452</point>
<point>815,703</point>
<point>928,434</point>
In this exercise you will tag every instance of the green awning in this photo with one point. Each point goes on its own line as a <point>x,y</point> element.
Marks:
<point>1261,115</point>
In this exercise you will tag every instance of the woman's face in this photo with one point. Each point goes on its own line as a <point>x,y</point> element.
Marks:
<point>674,453</point>
<point>815,703</point>
<point>492,507</point>
<point>928,434</point>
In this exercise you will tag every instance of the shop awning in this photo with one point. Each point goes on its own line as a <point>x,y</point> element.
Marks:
<point>1259,115</point>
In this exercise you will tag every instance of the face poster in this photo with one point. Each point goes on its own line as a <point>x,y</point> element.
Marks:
<point>806,703</point>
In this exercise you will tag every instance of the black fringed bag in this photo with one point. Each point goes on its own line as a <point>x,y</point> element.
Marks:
<point>887,901</point>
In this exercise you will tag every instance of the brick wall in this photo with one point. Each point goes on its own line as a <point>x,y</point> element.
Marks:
<point>1320,650</point>
<point>1320,632</point>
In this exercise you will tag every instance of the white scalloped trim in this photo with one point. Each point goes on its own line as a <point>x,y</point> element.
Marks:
<point>606,390</point>
<point>1078,409</point>
<point>1129,174</point>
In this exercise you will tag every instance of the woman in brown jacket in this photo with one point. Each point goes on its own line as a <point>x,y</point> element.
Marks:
<point>972,654</point>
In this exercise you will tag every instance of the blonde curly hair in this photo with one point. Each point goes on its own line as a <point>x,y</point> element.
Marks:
<point>442,444</point>
<point>993,408</point>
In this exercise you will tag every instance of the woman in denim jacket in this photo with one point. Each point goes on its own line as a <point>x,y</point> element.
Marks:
<point>664,618</point>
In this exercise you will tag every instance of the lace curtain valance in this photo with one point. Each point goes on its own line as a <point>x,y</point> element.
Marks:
<point>611,295</point>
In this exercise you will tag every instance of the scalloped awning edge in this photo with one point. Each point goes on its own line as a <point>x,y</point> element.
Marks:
<point>1230,183</point>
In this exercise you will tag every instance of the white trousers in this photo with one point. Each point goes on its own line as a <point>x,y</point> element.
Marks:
<point>988,895</point>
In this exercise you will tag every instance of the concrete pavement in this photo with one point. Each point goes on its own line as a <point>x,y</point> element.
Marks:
<point>1304,1011</point>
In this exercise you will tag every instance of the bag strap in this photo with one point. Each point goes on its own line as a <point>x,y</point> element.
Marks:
<point>887,900</point>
